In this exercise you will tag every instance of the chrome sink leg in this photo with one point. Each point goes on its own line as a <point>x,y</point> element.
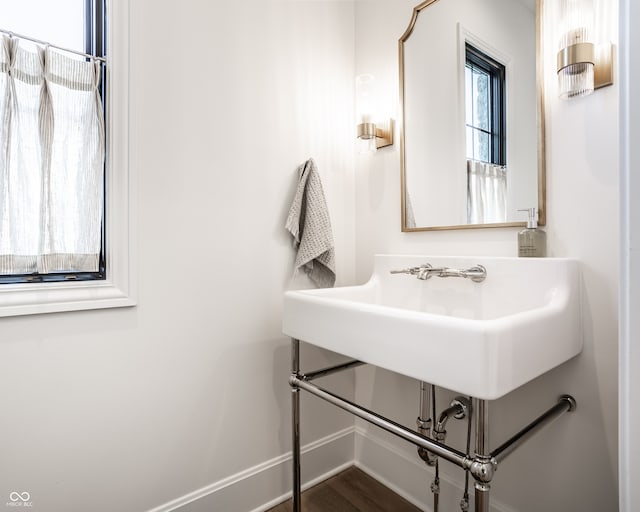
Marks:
<point>295,425</point>
<point>483,465</point>
<point>482,497</point>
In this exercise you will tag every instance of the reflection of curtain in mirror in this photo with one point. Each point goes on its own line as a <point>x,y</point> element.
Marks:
<point>409,217</point>
<point>486,193</point>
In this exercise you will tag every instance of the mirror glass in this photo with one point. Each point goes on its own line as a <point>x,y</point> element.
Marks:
<point>472,136</point>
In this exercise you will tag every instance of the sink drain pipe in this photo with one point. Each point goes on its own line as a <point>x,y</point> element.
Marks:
<point>424,421</point>
<point>459,408</point>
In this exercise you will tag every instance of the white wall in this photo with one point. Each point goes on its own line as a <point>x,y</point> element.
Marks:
<point>132,408</point>
<point>572,465</point>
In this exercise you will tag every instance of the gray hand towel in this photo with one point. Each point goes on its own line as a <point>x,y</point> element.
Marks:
<point>310,226</point>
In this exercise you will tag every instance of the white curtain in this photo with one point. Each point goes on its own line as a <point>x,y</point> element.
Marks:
<point>486,193</point>
<point>409,216</point>
<point>51,161</point>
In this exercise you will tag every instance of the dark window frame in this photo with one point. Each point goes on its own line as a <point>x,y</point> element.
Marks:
<point>496,71</point>
<point>95,36</point>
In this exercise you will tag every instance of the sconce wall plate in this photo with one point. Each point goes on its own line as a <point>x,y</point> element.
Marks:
<point>603,65</point>
<point>384,134</point>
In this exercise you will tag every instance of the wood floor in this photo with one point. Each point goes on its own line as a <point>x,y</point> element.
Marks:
<point>350,491</point>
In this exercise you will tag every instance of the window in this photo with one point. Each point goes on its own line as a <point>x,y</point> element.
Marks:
<point>117,288</point>
<point>52,183</point>
<point>484,107</point>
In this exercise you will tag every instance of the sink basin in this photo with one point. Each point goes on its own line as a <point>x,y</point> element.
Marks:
<point>482,339</point>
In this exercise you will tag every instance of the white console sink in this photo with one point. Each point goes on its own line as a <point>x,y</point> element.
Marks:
<point>481,339</point>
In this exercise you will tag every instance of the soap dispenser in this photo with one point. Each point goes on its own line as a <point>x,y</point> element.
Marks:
<point>532,241</point>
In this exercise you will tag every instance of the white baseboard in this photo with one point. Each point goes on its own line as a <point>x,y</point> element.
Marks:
<point>263,486</point>
<point>410,477</point>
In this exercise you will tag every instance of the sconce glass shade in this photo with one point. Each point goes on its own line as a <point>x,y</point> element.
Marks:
<point>364,99</point>
<point>575,48</point>
<point>366,146</point>
<point>365,125</point>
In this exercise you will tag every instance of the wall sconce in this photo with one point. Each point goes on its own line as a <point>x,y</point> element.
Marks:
<point>582,65</point>
<point>373,133</point>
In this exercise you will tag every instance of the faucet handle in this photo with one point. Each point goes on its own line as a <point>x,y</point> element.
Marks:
<point>419,271</point>
<point>477,274</point>
<point>425,271</point>
<point>411,271</point>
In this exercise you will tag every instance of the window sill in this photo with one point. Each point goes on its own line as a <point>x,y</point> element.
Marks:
<point>30,299</point>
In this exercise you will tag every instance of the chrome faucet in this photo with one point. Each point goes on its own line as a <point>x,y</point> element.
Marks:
<point>425,271</point>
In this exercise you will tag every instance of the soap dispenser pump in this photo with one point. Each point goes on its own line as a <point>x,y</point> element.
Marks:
<point>532,241</point>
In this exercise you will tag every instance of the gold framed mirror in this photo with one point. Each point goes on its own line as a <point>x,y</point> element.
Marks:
<point>472,131</point>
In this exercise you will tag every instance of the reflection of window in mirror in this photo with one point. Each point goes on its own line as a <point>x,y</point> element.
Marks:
<point>485,138</point>
<point>484,107</point>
